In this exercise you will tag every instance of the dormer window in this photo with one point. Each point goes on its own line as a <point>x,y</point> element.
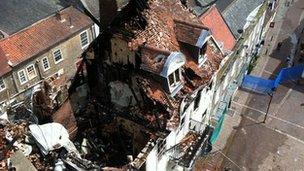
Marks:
<point>174,78</point>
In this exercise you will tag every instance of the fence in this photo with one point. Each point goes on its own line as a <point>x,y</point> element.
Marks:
<point>264,86</point>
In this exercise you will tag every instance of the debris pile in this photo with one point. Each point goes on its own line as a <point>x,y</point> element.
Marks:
<point>41,147</point>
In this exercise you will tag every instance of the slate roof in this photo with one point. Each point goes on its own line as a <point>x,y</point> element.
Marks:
<point>19,14</point>
<point>236,13</point>
<point>201,6</point>
<point>219,29</point>
<point>43,35</point>
<point>93,7</point>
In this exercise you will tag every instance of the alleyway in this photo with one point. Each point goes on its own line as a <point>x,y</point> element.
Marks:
<point>278,144</point>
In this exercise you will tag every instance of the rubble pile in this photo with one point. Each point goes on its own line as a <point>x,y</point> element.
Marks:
<point>12,138</point>
<point>43,147</point>
<point>159,31</point>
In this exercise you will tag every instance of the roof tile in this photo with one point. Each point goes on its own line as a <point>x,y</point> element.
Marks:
<point>43,35</point>
<point>220,31</point>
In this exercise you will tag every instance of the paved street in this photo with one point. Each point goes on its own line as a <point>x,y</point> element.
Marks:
<point>278,144</point>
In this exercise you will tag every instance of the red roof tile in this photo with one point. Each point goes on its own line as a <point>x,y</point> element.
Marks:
<point>43,35</point>
<point>220,31</point>
<point>153,59</point>
<point>4,67</point>
<point>160,32</point>
<point>188,32</point>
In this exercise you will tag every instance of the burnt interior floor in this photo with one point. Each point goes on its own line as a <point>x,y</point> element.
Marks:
<point>106,139</point>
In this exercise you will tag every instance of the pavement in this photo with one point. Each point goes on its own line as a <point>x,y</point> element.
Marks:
<point>245,142</point>
<point>279,143</point>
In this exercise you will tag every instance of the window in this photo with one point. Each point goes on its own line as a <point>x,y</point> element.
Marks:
<point>31,72</point>
<point>182,122</point>
<point>57,56</point>
<point>45,63</point>
<point>210,86</point>
<point>171,79</point>
<point>2,84</point>
<point>174,78</point>
<point>202,54</point>
<point>177,76</point>
<point>84,39</point>
<point>197,100</point>
<point>161,147</point>
<point>204,114</point>
<point>22,77</point>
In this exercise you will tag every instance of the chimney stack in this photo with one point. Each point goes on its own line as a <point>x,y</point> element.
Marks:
<point>60,17</point>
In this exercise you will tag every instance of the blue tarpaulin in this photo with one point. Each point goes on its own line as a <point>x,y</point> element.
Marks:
<point>257,84</point>
<point>262,85</point>
<point>288,74</point>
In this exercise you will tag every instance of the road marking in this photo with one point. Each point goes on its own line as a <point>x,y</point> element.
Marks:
<point>274,129</point>
<point>270,115</point>
<point>283,101</point>
<point>268,72</point>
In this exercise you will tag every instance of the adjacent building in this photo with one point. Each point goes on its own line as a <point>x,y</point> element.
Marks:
<point>49,47</point>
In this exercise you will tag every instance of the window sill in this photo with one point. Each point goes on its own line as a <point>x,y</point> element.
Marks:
<point>58,61</point>
<point>175,89</point>
<point>32,77</point>
<point>85,46</point>
<point>23,83</point>
<point>44,70</point>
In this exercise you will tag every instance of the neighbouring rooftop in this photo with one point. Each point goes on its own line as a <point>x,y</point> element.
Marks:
<point>235,12</point>
<point>219,29</point>
<point>43,35</point>
<point>4,67</point>
<point>19,14</point>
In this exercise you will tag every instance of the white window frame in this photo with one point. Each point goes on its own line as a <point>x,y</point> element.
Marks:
<point>202,58</point>
<point>2,86</point>
<point>34,70</point>
<point>56,62</point>
<point>25,76</point>
<point>87,34</point>
<point>48,63</point>
<point>176,83</point>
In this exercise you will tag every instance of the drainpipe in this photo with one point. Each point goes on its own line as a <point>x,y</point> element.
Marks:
<point>38,70</point>
<point>14,79</point>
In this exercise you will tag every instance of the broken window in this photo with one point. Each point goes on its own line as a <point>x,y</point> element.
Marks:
<point>31,72</point>
<point>161,147</point>
<point>174,78</point>
<point>202,54</point>
<point>2,85</point>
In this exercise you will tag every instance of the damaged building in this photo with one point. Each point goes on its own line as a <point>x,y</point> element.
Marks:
<point>151,73</point>
<point>146,94</point>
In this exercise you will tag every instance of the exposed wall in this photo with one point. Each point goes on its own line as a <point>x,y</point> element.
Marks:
<point>120,52</point>
<point>10,88</point>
